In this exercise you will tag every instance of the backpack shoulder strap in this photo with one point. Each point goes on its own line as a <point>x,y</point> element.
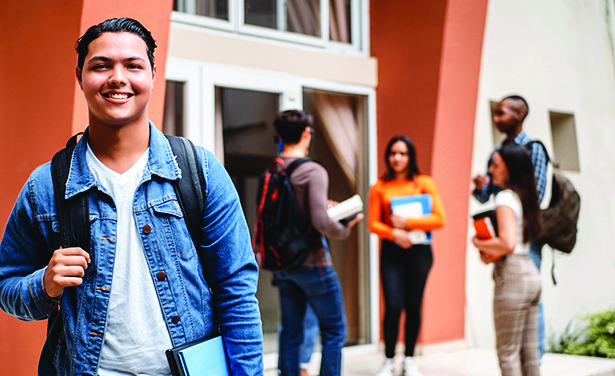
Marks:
<point>189,189</point>
<point>296,163</point>
<point>529,145</point>
<point>74,214</point>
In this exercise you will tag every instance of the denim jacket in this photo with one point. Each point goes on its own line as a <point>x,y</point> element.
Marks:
<point>188,290</point>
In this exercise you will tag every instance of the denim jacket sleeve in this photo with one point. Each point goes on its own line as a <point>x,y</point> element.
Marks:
<point>24,254</point>
<point>230,269</point>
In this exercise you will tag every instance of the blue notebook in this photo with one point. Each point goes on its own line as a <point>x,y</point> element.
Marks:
<point>200,358</point>
<point>414,206</point>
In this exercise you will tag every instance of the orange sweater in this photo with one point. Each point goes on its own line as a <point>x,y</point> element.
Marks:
<point>380,196</point>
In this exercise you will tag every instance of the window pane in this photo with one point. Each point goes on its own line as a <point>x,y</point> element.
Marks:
<point>261,13</point>
<point>339,21</point>
<point>208,8</point>
<point>301,16</point>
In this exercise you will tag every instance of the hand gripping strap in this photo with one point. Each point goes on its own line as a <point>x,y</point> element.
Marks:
<point>74,213</point>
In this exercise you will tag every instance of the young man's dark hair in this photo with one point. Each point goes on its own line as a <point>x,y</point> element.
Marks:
<point>522,107</point>
<point>290,124</point>
<point>115,25</point>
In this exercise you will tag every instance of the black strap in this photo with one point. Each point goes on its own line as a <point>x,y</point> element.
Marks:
<point>295,164</point>
<point>528,146</point>
<point>189,192</point>
<point>74,213</point>
<point>189,189</point>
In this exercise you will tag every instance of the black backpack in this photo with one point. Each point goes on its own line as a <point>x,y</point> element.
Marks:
<point>74,213</point>
<point>282,239</point>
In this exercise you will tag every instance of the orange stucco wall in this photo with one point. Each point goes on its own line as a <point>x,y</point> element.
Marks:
<point>428,68</point>
<point>41,106</point>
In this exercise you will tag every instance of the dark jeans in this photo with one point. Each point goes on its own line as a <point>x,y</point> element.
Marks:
<point>320,288</point>
<point>403,273</point>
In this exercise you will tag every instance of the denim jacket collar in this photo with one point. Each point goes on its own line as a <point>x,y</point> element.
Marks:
<point>80,178</point>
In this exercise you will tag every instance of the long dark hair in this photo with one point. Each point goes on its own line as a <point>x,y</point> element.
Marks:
<point>522,181</point>
<point>413,170</point>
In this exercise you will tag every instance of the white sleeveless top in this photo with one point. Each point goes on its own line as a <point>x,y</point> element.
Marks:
<point>510,199</point>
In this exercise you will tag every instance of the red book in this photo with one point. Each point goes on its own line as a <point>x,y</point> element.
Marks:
<point>486,226</point>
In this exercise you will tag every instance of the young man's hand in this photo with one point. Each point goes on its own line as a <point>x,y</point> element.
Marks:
<point>481,181</point>
<point>355,220</point>
<point>66,268</point>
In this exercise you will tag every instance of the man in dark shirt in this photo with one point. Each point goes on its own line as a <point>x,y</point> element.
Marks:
<point>315,280</point>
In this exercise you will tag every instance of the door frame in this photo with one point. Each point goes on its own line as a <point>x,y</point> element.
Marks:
<point>201,80</point>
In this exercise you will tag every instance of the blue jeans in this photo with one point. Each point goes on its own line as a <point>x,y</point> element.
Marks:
<point>321,289</point>
<point>310,335</point>
<point>535,255</point>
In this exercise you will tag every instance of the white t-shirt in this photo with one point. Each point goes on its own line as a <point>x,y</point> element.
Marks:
<point>136,336</point>
<point>510,199</point>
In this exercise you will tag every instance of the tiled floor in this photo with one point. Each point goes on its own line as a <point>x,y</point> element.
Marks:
<point>474,362</point>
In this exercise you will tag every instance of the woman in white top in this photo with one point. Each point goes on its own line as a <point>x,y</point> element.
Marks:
<point>517,280</point>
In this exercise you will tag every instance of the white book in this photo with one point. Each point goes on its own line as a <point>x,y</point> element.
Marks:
<point>346,209</point>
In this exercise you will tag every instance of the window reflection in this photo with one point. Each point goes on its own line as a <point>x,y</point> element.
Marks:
<point>339,21</point>
<point>301,16</point>
<point>208,8</point>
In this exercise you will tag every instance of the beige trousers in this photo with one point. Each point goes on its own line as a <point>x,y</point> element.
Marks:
<point>516,296</point>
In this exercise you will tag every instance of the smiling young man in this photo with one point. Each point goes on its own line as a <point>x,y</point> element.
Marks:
<point>142,288</point>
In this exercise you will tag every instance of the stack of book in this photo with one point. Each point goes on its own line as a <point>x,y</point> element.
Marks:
<point>414,206</point>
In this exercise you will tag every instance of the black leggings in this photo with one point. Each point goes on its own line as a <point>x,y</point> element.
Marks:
<point>403,273</point>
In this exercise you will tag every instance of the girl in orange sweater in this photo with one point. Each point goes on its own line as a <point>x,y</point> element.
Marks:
<point>403,266</point>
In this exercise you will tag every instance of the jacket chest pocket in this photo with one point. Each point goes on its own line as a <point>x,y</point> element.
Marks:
<point>172,231</point>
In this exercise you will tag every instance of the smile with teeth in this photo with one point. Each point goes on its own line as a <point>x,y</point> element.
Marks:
<point>117,95</point>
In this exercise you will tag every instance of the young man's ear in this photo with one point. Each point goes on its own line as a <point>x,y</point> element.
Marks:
<point>78,74</point>
<point>154,74</point>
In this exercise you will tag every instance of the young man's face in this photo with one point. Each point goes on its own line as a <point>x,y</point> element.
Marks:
<point>117,79</point>
<point>505,117</point>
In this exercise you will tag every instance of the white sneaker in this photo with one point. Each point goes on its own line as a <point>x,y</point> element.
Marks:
<point>410,368</point>
<point>387,368</point>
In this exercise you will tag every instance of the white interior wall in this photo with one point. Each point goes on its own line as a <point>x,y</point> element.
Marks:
<point>558,55</point>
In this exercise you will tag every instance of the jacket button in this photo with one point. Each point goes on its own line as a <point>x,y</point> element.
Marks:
<point>49,305</point>
<point>175,319</point>
<point>147,229</point>
<point>161,276</point>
